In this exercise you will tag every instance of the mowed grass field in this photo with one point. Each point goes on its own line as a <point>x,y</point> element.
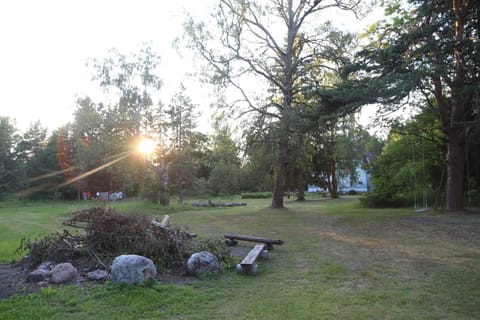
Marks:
<point>339,261</point>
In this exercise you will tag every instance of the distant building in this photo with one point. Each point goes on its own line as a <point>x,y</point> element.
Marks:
<point>345,182</point>
<point>360,184</point>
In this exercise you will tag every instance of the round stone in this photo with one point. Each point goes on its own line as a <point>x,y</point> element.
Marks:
<point>202,262</point>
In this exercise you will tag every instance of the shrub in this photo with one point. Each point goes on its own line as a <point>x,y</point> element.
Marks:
<point>257,195</point>
<point>383,200</point>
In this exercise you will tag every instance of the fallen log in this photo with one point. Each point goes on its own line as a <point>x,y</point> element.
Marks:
<point>218,204</point>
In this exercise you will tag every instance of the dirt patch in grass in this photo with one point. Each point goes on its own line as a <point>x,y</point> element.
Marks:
<point>12,281</point>
<point>13,277</point>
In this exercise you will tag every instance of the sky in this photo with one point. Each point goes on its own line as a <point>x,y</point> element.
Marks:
<point>46,44</point>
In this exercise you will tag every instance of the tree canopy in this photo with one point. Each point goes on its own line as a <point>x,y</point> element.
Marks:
<point>429,48</point>
<point>277,42</point>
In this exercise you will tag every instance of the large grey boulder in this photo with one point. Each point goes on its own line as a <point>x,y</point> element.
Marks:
<point>132,269</point>
<point>64,272</point>
<point>202,262</point>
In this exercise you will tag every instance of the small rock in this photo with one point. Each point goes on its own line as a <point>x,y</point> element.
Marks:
<point>25,263</point>
<point>97,275</point>
<point>64,272</point>
<point>39,275</point>
<point>47,265</point>
<point>132,269</point>
<point>202,262</point>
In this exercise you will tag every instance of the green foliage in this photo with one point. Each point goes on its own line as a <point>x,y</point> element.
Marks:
<point>380,199</point>
<point>224,179</point>
<point>257,195</point>
<point>410,165</point>
<point>109,132</point>
<point>323,140</point>
<point>180,123</point>
<point>47,247</point>
<point>354,147</point>
<point>9,170</point>
<point>218,248</point>
<point>200,187</point>
<point>151,187</point>
<point>225,174</point>
<point>392,174</point>
<point>257,173</point>
<point>297,75</point>
<point>428,48</point>
<point>28,149</point>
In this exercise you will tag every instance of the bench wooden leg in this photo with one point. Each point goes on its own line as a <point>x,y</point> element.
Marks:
<point>249,270</point>
<point>231,242</point>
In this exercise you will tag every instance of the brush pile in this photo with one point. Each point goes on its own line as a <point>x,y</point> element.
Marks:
<point>102,234</point>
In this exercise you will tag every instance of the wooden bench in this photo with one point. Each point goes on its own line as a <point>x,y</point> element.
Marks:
<point>232,240</point>
<point>248,265</point>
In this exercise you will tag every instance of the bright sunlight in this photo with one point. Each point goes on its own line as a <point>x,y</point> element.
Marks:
<point>146,145</point>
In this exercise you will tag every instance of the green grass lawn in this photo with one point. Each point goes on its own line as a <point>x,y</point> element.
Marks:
<point>339,261</point>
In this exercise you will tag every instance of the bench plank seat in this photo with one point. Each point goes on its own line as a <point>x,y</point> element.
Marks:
<point>252,255</point>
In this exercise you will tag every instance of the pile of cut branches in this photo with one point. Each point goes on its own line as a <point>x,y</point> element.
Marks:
<point>102,234</point>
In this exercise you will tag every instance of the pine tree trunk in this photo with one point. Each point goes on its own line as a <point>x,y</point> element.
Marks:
<point>455,145</point>
<point>455,172</point>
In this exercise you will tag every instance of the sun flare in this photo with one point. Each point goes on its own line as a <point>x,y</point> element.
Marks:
<point>146,145</point>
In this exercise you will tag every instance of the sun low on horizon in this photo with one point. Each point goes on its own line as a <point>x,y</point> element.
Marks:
<point>146,145</point>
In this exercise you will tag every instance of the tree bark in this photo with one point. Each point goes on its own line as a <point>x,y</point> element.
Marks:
<point>455,145</point>
<point>279,188</point>
<point>300,195</point>
<point>333,188</point>
<point>455,174</point>
<point>180,190</point>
